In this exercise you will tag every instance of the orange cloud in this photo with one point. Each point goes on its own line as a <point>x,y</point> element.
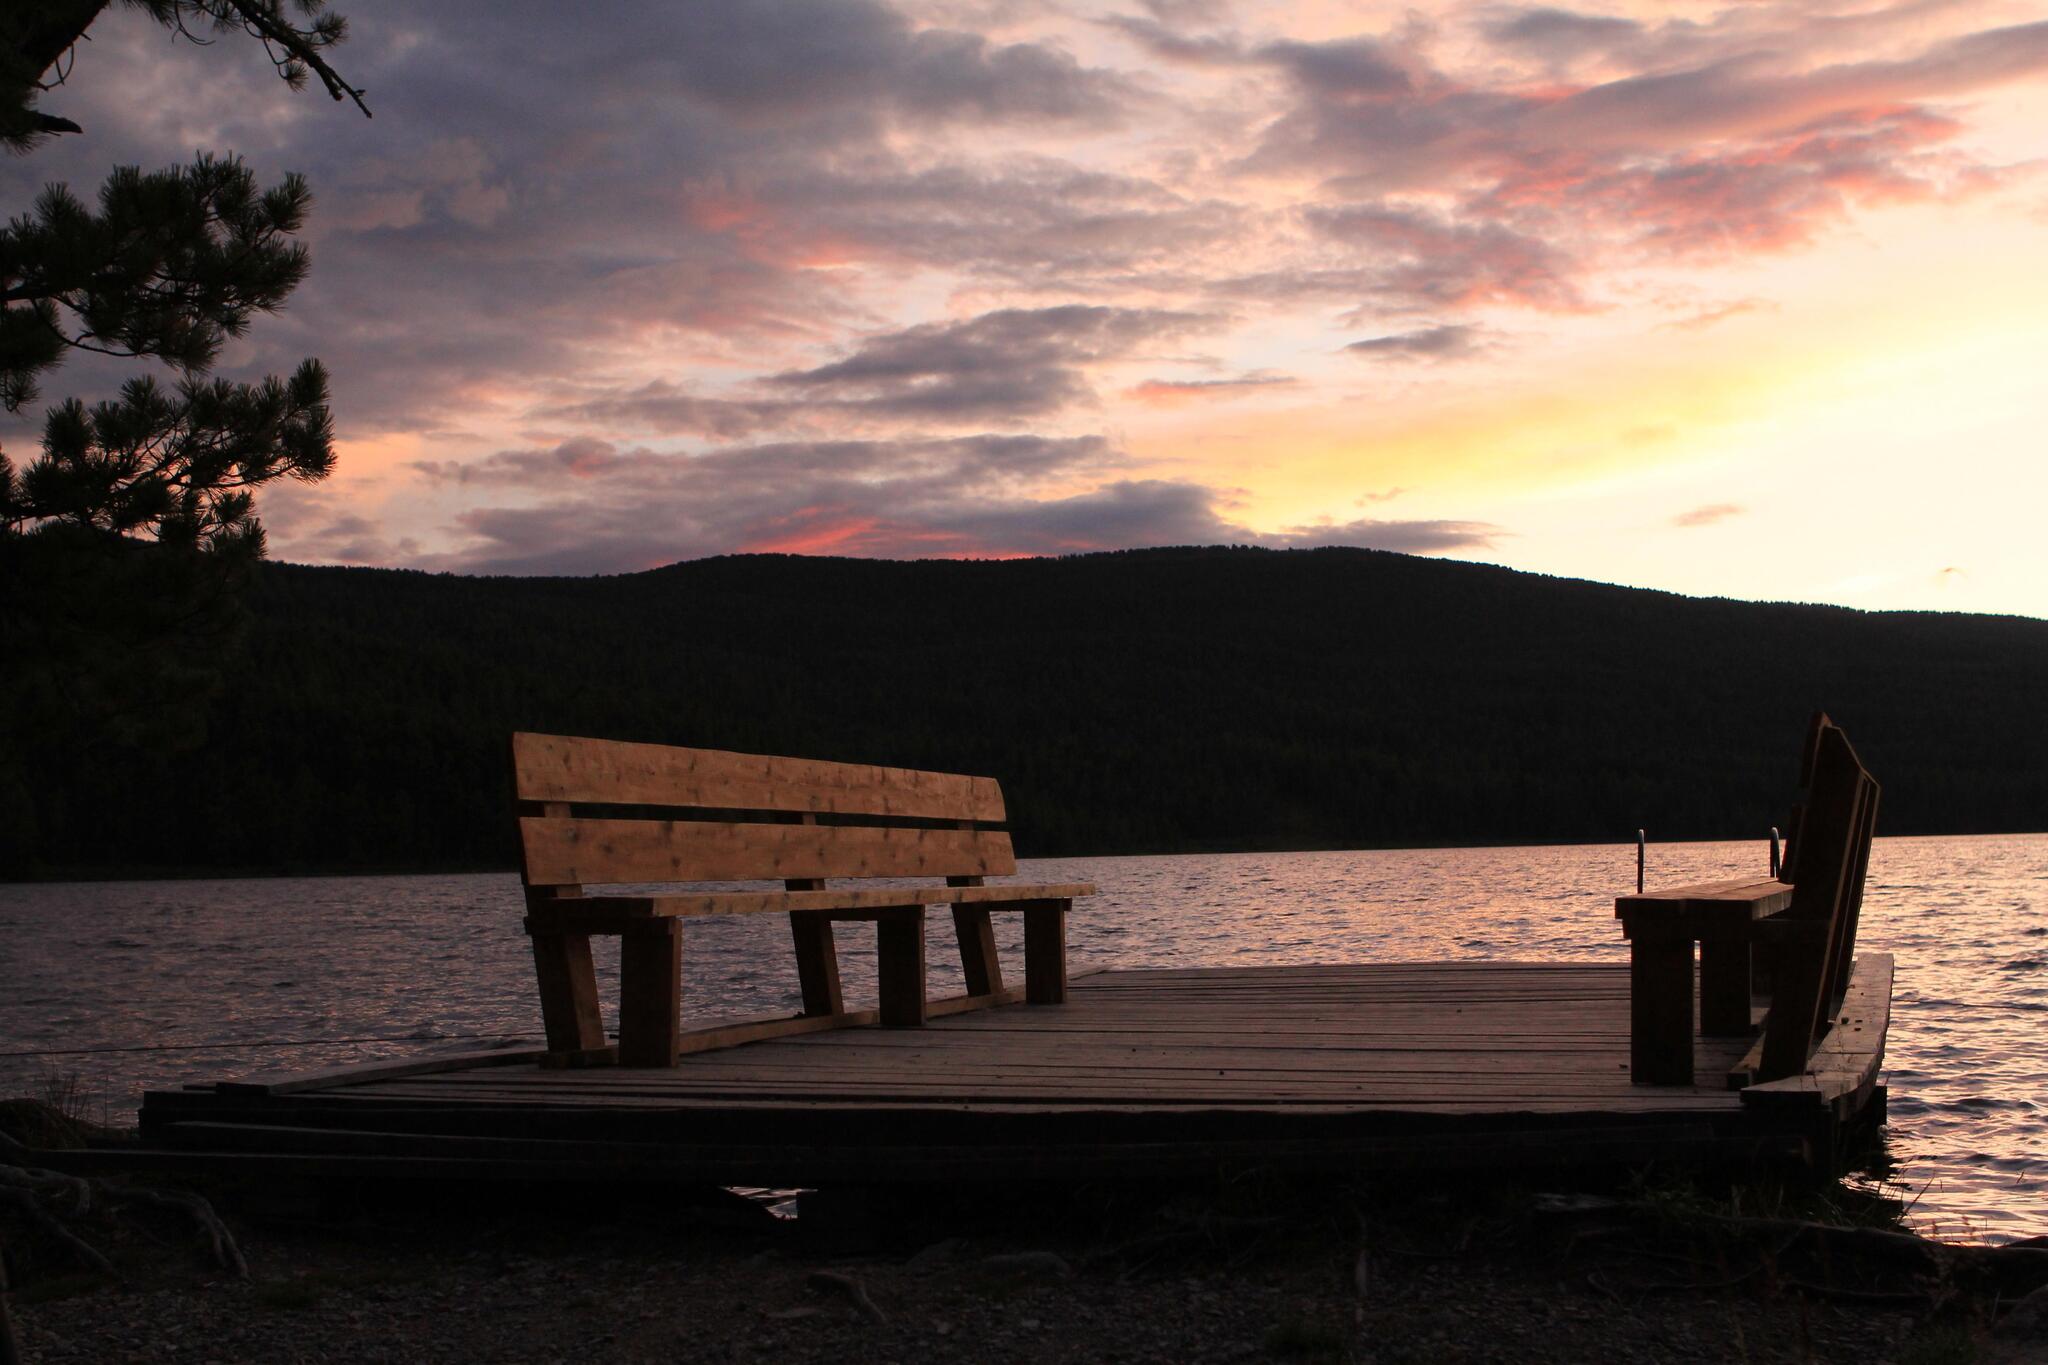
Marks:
<point>1708,515</point>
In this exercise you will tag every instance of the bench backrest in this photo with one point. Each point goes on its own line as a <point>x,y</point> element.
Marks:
<point>1829,858</point>
<point>666,814</point>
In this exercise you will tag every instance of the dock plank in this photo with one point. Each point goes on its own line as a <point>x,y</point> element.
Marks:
<point>1496,1053</point>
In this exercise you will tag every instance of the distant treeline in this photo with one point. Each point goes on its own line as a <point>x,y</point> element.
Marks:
<point>1146,701</point>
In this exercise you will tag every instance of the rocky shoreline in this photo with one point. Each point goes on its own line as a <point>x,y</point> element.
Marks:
<point>1243,1270</point>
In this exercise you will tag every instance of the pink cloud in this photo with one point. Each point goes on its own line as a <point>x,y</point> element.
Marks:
<point>1764,197</point>
<point>1166,393</point>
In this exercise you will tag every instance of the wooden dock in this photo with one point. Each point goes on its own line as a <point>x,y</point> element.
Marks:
<point>1675,1056</point>
<point>1160,1073</point>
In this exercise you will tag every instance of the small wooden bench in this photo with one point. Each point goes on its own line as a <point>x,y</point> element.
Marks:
<point>1796,932</point>
<point>603,813</point>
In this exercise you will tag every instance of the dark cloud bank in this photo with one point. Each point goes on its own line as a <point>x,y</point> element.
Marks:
<point>545,188</point>
<point>979,495</point>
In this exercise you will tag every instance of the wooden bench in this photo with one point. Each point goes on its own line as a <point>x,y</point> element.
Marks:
<point>601,813</point>
<point>1795,933</point>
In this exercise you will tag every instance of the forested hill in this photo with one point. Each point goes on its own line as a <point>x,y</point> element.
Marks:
<point>1135,702</point>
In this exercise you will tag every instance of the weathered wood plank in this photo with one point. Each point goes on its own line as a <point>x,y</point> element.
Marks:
<point>864,1050</point>
<point>787,1026</point>
<point>558,1060</point>
<point>430,1106</point>
<point>614,772</point>
<point>1713,902</point>
<point>1520,1069</point>
<point>601,852</point>
<point>694,904</point>
<point>299,1082</point>
<point>1845,1065</point>
<point>1624,1107</point>
<point>1363,1094</point>
<point>1449,1071</point>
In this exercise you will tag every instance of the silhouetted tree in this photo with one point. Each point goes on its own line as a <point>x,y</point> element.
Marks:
<point>122,544</point>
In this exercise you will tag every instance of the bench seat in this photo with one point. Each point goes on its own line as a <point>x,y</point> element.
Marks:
<point>1723,918</point>
<point>1707,906</point>
<point>1010,896</point>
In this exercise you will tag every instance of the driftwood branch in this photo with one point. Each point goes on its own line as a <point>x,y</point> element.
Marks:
<point>43,1196</point>
<point>197,1208</point>
<point>53,1227</point>
<point>853,1291</point>
<point>1909,1269</point>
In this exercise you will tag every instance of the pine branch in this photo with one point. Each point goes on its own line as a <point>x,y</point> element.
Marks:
<point>272,30</point>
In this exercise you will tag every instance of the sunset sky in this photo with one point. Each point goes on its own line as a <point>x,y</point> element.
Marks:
<point>1741,299</point>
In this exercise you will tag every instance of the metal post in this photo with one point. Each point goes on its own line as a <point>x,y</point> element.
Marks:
<point>1774,852</point>
<point>1639,862</point>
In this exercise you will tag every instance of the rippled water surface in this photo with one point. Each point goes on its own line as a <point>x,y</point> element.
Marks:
<point>253,964</point>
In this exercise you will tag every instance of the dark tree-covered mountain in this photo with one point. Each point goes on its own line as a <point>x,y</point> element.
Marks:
<point>1142,701</point>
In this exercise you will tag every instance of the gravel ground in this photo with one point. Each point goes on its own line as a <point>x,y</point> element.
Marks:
<point>625,1275</point>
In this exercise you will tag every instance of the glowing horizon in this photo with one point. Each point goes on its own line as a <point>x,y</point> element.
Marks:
<point>1734,300</point>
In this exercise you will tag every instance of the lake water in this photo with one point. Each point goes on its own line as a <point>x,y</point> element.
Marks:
<point>225,973</point>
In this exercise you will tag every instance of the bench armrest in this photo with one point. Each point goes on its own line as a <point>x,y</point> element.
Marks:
<point>1709,907</point>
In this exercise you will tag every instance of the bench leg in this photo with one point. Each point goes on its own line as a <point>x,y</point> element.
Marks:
<point>817,962</point>
<point>899,966</point>
<point>1660,1010</point>
<point>1725,987</point>
<point>568,992</point>
<point>1795,1005</point>
<point>978,961</point>
<point>651,994</point>
<point>1045,952</point>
